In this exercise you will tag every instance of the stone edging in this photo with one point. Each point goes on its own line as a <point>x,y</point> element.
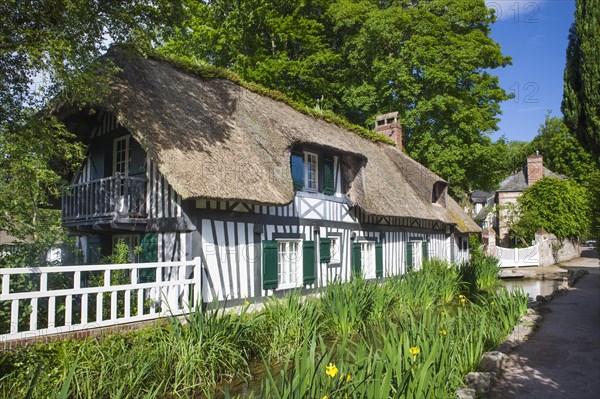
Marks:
<point>479,383</point>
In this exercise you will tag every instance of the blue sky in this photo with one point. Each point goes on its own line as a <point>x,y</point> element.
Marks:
<point>535,34</point>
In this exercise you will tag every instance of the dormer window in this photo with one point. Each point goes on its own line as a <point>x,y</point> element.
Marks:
<point>312,171</point>
<point>438,195</point>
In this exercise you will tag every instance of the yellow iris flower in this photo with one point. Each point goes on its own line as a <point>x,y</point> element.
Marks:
<point>331,370</point>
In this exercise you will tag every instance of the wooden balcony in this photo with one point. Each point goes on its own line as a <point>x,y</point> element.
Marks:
<point>111,199</point>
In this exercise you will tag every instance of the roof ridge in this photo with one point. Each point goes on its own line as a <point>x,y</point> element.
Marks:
<point>207,71</point>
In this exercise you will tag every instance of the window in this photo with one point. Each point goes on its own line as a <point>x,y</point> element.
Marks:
<point>121,155</point>
<point>335,250</point>
<point>416,253</point>
<point>464,243</point>
<point>367,259</point>
<point>311,175</point>
<point>131,240</point>
<point>288,264</point>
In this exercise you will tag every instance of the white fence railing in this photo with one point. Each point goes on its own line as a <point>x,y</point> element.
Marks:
<point>516,257</point>
<point>57,299</point>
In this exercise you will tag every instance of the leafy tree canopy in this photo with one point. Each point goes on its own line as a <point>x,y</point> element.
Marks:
<point>49,50</point>
<point>428,60</point>
<point>592,183</point>
<point>514,154</point>
<point>561,150</point>
<point>560,207</point>
<point>581,98</point>
<point>48,46</point>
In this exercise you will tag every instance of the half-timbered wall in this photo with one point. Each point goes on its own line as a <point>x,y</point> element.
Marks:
<point>228,235</point>
<point>230,250</point>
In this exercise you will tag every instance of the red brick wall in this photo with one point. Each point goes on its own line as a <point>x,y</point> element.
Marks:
<point>535,169</point>
<point>81,334</point>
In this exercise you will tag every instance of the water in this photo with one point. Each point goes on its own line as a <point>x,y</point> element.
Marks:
<point>533,287</point>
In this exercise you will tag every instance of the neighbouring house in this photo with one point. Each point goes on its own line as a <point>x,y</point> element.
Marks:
<point>490,208</point>
<point>268,198</point>
<point>482,206</point>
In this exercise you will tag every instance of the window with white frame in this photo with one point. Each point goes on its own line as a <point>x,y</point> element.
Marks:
<point>289,263</point>
<point>335,250</point>
<point>367,259</point>
<point>311,171</point>
<point>121,155</point>
<point>131,240</point>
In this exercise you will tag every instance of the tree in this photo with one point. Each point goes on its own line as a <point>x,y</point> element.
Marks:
<point>592,183</point>
<point>514,155</point>
<point>280,44</point>
<point>428,60</point>
<point>35,154</point>
<point>581,98</point>
<point>48,46</point>
<point>49,53</point>
<point>560,207</point>
<point>561,150</point>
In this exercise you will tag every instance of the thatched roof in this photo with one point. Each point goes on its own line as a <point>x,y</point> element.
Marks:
<point>214,139</point>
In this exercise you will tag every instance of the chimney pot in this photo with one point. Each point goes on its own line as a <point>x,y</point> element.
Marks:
<point>388,125</point>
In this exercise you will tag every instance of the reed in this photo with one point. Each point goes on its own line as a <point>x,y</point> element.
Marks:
<point>405,337</point>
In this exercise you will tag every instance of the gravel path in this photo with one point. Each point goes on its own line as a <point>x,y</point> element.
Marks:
<point>562,358</point>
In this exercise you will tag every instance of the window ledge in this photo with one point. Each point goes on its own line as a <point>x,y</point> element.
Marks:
<point>287,287</point>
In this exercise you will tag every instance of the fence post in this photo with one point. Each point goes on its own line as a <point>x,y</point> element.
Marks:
<point>157,292</point>
<point>173,288</point>
<point>198,283</point>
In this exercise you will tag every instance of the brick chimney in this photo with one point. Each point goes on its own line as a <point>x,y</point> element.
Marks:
<point>388,125</point>
<point>535,168</point>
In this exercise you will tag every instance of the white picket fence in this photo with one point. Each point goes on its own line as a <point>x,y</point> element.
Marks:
<point>517,257</point>
<point>58,299</point>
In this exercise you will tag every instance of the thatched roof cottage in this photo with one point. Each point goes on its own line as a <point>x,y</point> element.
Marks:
<point>268,197</point>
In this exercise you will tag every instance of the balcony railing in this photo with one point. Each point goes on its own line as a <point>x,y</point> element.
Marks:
<point>110,198</point>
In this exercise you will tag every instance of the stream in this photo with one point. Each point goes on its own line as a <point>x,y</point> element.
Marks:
<point>533,287</point>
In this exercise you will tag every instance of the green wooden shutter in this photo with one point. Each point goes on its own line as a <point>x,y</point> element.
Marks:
<point>328,176</point>
<point>409,256</point>
<point>297,165</point>
<point>378,259</point>
<point>325,249</point>
<point>356,266</point>
<point>270,267</point>
<point>308,262</point>
<point>149,246</point>
<point>425,248</point>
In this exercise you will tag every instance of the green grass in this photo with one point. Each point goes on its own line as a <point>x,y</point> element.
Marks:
<point>364,329</point>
